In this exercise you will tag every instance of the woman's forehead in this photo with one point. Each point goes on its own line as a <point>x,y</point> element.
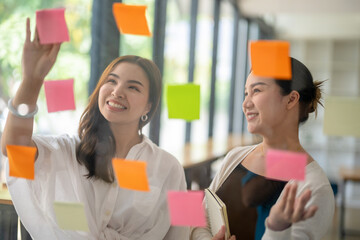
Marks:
<point>254,80</point>
<point>131,71</point>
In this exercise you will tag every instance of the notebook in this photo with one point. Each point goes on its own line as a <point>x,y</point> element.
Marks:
<point>216,212</point>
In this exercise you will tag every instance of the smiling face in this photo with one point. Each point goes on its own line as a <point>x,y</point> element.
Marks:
<point>264,106</point>
<point>123,97</point>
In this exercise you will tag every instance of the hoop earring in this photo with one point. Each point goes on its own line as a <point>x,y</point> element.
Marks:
<point>144,117</point>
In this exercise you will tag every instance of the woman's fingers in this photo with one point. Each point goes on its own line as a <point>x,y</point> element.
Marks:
<point>36,36</point>
<point>300,206</point>
<point>28,32</point>
<point>54,51</point>
<point>310,212</point>
<point>290,201</point>
<point>220,234</point>
<point>282,202</point>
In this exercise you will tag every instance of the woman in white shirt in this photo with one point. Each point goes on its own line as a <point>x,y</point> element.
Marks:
<point>78,168</point>
<point>304,210</point>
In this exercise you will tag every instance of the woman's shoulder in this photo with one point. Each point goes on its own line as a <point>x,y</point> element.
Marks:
<point>316,180</point>
<point>315,174</point>
<point>240,152</point>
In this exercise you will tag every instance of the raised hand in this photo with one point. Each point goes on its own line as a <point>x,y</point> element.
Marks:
<point>289,209</point>
<point>37,59</point>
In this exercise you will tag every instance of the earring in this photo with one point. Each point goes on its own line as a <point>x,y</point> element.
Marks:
<point>144,117</point>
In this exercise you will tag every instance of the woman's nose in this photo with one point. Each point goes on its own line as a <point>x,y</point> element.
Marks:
<point>118,91</point>
<point>247,102</point>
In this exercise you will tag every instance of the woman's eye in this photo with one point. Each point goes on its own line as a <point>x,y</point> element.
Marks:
<point>256,90</point>
<point>110,80</point>
<point>135,88</point>
<point>245,94</point>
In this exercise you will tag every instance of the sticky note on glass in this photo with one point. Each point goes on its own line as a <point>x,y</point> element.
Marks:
<point>131,19</point>
<point>51,26</point>
<point>186,208</point>
<point>271,59</point>
<point>342,116</point>
<point>71,216</point>
<point>60,95</point>
<point>21,161</point>
<point>131,174</point>
<point>183,101</point>
<point>285,165</point>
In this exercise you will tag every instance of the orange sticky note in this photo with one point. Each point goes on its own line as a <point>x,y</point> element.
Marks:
<point>131,19</point>
<point>271,59</point>
<point>131,174</point>
<point>21,161</point>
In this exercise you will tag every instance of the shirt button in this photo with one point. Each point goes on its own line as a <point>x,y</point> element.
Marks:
<point>114,185</point>
<point>107,213</point>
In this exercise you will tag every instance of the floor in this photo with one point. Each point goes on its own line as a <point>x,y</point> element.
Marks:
<point>352,221</point>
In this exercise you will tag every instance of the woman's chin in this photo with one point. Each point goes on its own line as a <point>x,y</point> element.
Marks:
<point>252,130</point>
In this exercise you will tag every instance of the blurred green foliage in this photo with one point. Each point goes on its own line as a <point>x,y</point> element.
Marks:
<point>73,60</point>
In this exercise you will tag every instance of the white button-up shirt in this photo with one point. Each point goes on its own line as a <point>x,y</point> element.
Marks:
<point>111,212</point>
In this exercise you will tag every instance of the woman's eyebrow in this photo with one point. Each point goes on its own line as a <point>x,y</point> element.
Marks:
<point>129,81</point>
<point>114,75</point>
<point>256,84</point>
<point>135,82</point>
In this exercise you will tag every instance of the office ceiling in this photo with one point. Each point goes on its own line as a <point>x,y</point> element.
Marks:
<point>307,19</point>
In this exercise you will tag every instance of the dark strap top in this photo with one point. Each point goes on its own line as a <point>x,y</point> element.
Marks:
<point>248,198</point>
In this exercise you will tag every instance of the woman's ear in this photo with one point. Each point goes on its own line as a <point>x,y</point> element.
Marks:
<point>148,107</point>
<point>293,99</point>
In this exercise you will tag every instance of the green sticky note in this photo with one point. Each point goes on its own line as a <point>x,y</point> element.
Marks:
<point>342,116</point>
<point>183,101</point>
<point>71,216</point>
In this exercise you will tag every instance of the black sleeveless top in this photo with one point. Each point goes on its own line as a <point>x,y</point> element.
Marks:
<point>248,198</point>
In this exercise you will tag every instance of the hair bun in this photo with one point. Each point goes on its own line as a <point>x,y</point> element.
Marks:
<point>317,97</point>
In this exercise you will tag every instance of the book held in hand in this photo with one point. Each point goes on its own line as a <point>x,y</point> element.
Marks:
<point>216,212</point>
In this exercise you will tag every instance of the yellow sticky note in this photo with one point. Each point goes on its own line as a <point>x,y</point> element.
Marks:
<point>131,19</point>
<point>183,101</point>
<point>71,216</point>
<point>21,161</point>
<point>270,58</point>
<point>131,174</point>
<point>342,116</point>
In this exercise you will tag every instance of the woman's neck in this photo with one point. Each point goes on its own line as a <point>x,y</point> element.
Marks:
<point>285,139</point>
<point>125,138</point>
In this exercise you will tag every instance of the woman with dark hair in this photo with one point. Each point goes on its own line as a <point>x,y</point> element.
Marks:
<point>262,208</point>
<point>78,168</point>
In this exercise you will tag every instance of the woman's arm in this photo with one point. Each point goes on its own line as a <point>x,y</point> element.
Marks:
<point>37,60</point>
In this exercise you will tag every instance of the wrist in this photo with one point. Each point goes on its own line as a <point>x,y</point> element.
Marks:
<point>32,82</point>
<point>21,112</point>
<point>27,93</point>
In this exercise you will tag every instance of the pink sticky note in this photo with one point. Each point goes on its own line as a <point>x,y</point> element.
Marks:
<point>60,95</point>
<point>51,26</point>
<point>186,208</point>
<point>285,165</point>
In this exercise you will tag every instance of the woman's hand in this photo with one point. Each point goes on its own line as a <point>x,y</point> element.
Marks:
<point>37,59</point>
<point>221,235</point>
<point>289,209</point>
